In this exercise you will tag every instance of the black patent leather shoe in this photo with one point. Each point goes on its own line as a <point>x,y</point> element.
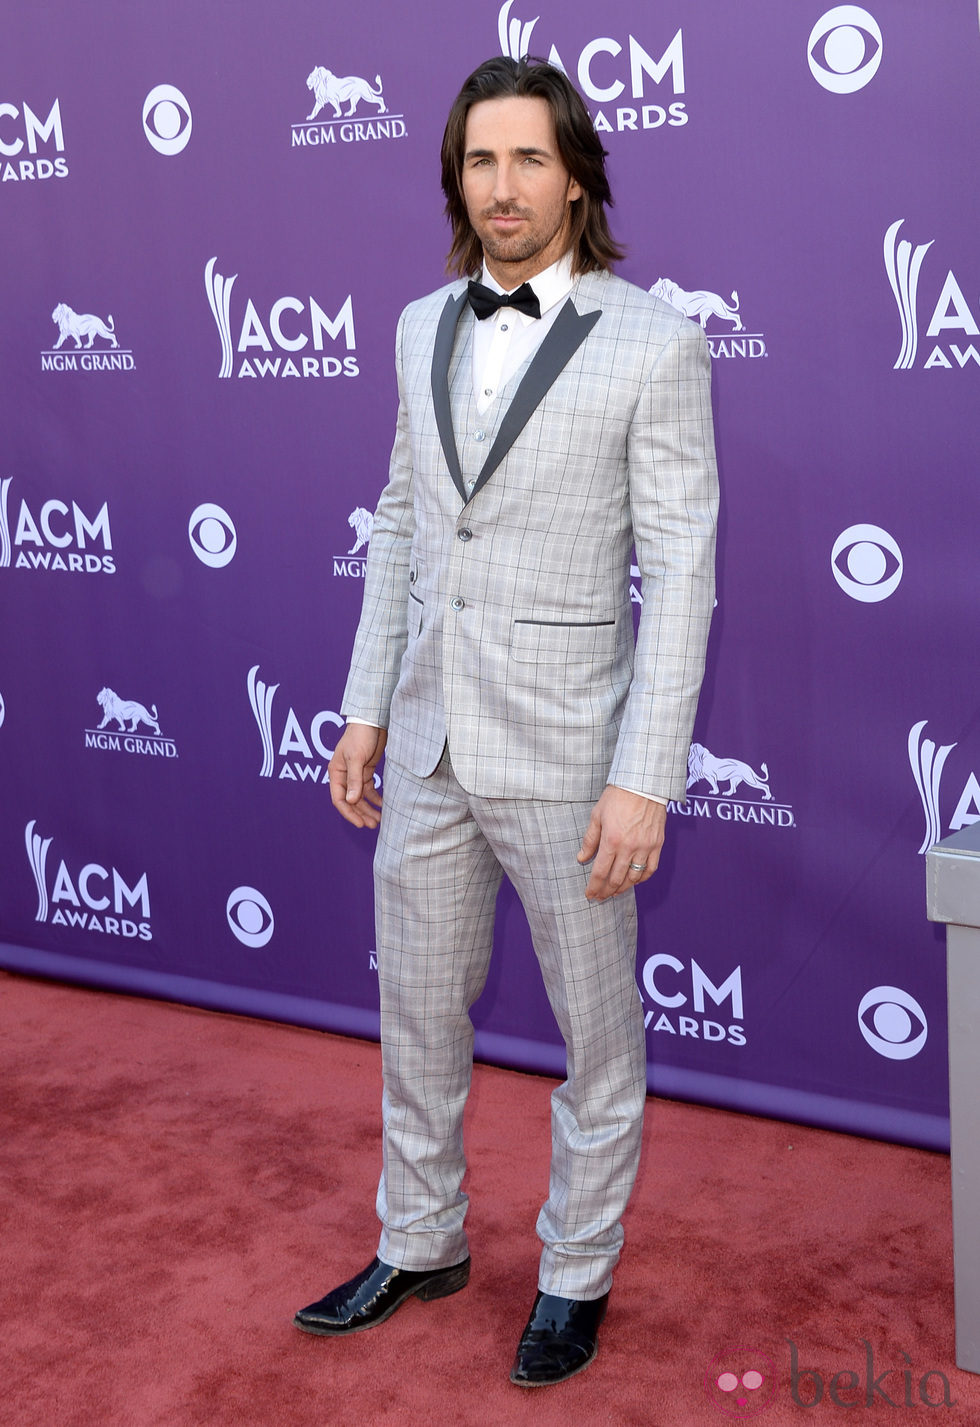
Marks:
<point>373,1295</point>
<point>560,1340</point>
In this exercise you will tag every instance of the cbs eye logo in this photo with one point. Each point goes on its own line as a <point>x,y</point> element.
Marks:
<point>844,49</point>
<point>867,563</point>
<point>2,710</point>
<point>250,917</point>
<point>167,119</point>
<point>891,1030</point>
<point>741,1381</point>
<point>213,536</point>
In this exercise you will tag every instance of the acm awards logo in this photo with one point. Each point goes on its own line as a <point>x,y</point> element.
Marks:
<point>94,899</point>
<point>54,537</point>
<point>927,760</point>
<point>949,312</point>
<point>747,798</point>
<point>31,148</point>
<point>137,728</point>
<point>703,306</point>
<point>608,72</point>
<point>85,329</point>
<point>290,327</point>
<point>353,564</point>
<point>299,750</point>
<point>335,117</point>
<point>671,985</point>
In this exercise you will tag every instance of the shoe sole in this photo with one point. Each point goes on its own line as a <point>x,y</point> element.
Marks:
<point>441,1287</point>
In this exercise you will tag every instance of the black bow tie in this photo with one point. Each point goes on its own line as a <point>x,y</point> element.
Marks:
<point>484,300</point>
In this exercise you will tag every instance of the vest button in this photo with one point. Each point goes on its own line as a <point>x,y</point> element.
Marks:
<point>457,603</point>
<point>464,535</point>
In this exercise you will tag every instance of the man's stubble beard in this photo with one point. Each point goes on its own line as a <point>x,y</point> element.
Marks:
<point>520,248</point>
<point>511,250</point>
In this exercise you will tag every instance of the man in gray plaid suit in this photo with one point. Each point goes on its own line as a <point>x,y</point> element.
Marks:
<point>551,418</point>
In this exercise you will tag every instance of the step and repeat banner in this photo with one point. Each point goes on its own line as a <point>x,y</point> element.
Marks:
<point>212,216</point>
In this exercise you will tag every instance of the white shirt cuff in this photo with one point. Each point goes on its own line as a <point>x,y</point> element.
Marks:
<point>650,797</point>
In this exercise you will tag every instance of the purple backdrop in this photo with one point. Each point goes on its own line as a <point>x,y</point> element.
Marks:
<point>207,240</point>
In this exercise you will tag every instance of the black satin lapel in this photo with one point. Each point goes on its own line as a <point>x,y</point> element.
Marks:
<point>556,351</point>
<point>441,355</point>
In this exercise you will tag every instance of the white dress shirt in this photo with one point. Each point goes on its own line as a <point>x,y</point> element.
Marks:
<point>503,341</point>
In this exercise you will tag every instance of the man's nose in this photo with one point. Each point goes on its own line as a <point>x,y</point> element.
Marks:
<point>504,187</point>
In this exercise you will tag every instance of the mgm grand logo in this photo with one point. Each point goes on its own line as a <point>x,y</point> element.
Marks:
<point>128,726</point>
<point>334,118</point>
<point>703,306</point>
<point>84,328</point>
<point>353,563</point>
<point>730,804</point>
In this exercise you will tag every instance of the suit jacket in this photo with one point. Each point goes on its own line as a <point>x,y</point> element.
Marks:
<point>497,610</point>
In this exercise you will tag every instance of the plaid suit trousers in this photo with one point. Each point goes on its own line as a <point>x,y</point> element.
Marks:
<point>441,855</point>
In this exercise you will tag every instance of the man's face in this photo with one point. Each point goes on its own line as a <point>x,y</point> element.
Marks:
<point>516,189</point>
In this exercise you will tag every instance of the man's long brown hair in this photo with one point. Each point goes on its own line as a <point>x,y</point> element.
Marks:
<point>591,243</point>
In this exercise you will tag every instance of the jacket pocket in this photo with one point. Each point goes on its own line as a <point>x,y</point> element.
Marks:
<point>555,642</point>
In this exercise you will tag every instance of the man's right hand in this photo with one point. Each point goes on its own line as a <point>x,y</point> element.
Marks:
<point>351,771</point>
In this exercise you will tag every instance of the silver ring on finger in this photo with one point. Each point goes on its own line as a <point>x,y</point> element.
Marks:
<point>638,867</point>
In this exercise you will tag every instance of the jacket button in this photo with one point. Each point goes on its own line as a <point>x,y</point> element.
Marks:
<point>457,603</point>
<point>464,535</point>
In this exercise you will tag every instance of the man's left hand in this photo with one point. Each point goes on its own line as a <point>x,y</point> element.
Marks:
<point>624,829</point>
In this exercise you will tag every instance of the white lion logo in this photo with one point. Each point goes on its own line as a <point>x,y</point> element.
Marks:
<point>700,304</point>
<point>82,324</point>
<point>122,709</point>
<point>335,89</point>
<point>361,521</point>
<point>703,766</point>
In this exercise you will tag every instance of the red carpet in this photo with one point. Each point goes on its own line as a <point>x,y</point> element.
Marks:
<point>176,1183</point>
